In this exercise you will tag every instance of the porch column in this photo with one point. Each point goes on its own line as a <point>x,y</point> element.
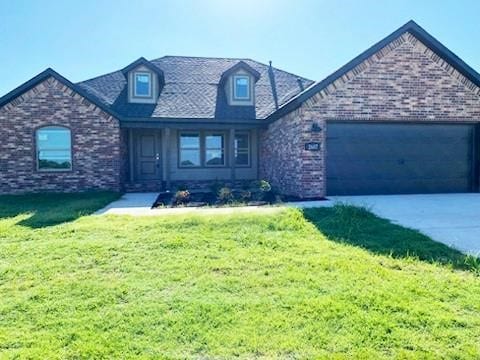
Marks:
<point>168,182</point>
<point>231,152</point>
<point>130,155</point>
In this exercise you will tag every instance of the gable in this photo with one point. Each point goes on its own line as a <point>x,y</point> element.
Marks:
<point>406,80</point>
<point>52,99</point>
<point>48,81</point>
<point>155,85</point>
<point>411,34</point>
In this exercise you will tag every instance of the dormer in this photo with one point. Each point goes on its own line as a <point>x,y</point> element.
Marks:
<point>239,84</point>
<point>145,82</point>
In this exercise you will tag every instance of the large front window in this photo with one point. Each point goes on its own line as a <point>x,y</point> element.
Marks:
<point>143,84</point>
<point>214,150</point>
<point>190,150</point>
<point>208,149</point>
<point>54,148</point>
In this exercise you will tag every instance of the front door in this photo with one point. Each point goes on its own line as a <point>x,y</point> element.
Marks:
<point>148,155</point>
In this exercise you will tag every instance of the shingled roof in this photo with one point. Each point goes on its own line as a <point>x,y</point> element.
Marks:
<point>192,90</point>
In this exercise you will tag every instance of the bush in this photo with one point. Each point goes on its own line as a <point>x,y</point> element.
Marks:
<point>262,191</point>
<point>182,197</point>
<point>261,185</point>
<point>216,186</point>
<point>245,195</point>
<point>225,195</point>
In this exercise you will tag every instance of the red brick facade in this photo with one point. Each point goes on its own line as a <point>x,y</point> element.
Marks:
<point>405,81</point>
<point>95,142</point>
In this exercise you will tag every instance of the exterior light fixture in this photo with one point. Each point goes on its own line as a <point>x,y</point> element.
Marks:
<point>316,128</point>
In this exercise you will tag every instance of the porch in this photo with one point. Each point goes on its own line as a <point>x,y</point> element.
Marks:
<point>162,158</point>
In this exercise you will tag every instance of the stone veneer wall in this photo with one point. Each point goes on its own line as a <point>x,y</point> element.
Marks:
<point>405,81</point>
<point>95,142</point>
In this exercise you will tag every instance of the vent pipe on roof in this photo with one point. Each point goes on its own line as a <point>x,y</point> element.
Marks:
<point>300,83</point>
<point>273,84</point>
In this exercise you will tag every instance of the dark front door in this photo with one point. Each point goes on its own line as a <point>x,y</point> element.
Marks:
<point>148,155</point>
<point>366,158</point>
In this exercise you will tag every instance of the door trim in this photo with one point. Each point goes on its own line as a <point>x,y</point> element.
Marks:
<point>158,144</point>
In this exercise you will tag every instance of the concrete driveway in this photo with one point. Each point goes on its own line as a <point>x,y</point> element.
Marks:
<point>453,219</point>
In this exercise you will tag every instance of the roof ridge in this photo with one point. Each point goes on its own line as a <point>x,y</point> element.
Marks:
<point>201,57</point>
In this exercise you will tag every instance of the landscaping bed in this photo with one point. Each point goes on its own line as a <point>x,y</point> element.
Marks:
<point>251,193</point>
<point>255,193</point>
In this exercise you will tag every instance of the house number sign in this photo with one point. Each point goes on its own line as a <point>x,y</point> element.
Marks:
<point>312,146</point>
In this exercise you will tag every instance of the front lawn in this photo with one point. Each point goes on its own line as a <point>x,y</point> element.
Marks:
<point>321,283</point>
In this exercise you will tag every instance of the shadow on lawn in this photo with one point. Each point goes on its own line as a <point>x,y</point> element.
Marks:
<point>357,226</point>
<point>50,209</point>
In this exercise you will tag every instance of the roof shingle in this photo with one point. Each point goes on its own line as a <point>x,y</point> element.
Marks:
<point>192,90</point>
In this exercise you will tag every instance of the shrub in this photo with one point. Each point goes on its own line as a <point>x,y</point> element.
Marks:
<point>262,191</point>
<point>245,195</point>
<point>182,197</point>
<point>261,185</point>
<point>216,186</point>
<point>225,195</point>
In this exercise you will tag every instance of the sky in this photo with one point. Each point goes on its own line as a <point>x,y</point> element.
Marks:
<point>82,39</point>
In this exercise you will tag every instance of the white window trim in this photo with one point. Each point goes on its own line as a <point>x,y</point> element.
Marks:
<point>37,149</point>
<point>149,83</point>
<point>241,98</point>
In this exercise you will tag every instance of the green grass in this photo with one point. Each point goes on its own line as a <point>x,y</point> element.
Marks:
<point>332,283</point>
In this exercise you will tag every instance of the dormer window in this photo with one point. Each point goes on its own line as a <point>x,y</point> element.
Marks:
<point>241,87</point>
<point>143,84</point>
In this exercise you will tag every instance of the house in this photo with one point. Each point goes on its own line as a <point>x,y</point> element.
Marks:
<point>402,117</point>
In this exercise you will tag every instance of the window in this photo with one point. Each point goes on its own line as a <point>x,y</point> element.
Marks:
<point>189,150</point>
<point>242,149</point>
<point>54,148</point>
<point>214,150</point>
<point>143,84</point>
<point>241,87</point>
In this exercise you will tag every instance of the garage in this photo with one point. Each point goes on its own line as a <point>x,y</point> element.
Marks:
<point>399,158</point>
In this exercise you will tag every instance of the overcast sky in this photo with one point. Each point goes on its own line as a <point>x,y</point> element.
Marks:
<point>312,38</point>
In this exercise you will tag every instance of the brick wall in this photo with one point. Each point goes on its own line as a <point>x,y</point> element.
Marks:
<point>95,142</point>
<point>405,81</point>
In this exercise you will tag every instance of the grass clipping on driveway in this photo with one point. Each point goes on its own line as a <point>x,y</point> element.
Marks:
<point>325,282</point>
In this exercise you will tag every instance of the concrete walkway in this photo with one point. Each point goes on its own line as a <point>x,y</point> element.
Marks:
<point>130,204</point>
<point>453,219</point>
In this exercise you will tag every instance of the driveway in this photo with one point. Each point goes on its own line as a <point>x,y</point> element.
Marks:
<point>453,219</point>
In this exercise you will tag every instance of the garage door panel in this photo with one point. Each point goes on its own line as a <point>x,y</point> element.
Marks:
<point>398,158</point>
<point>346,187</point>
<point>387,169</point>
